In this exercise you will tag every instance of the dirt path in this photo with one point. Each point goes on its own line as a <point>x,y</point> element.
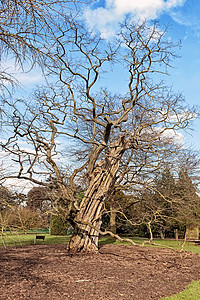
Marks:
<point>45,272</point>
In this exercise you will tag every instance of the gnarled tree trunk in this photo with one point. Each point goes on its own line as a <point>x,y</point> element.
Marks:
<point>88,219</point>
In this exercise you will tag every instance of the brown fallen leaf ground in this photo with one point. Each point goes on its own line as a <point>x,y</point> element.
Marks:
<point>118,272</point>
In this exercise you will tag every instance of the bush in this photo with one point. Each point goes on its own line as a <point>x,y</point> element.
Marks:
<point>58,226</point>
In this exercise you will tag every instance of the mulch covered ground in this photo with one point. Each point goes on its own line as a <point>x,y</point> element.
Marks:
<point>118,272</point>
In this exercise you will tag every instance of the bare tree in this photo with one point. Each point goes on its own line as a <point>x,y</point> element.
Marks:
<point>112,129</point>
<point>115,127</point>
<point>24,218</point>
<point>28,36</point>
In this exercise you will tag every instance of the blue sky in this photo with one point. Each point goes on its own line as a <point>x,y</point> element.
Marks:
<point>183,16</point>
<point>184,19</point>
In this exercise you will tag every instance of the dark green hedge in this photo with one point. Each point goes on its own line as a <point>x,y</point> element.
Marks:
<point>58,226</point>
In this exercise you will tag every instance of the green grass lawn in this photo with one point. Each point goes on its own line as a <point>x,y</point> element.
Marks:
<point>18,239</point>
<point>192,292</point>
<point>28,239</point>
<point>177,245</point>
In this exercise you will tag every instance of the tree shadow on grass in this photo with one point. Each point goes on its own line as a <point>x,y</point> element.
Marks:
<point>106,240</point>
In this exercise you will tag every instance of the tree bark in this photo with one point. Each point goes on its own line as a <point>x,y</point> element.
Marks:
<point>176,234</point>
<point>88,219</point>
<point>113,215</point>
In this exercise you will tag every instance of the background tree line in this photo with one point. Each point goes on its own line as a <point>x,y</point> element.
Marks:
<point>167,208</point>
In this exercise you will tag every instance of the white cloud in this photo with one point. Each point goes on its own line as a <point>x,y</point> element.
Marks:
<point>23,78</point>
<point>171,135</point>
<point>106,19</point>
<point>166,135</point>
<point>19,185</point>
<point>188,16</point>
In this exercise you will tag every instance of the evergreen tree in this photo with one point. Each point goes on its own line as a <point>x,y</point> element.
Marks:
<point>188,201</point>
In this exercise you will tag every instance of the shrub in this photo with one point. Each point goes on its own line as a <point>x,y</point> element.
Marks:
<point>58,226</point>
